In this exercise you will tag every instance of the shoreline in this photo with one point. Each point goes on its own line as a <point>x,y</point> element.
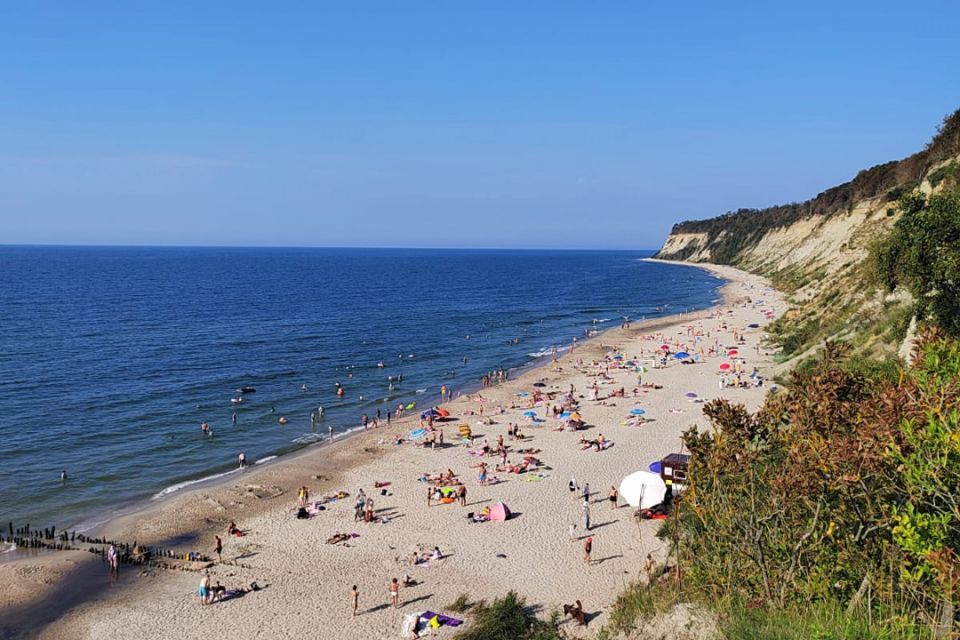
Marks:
<point>190,508</point>
<point>98,521</point>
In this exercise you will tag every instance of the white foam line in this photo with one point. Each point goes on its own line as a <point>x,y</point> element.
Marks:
<point>181,485</point>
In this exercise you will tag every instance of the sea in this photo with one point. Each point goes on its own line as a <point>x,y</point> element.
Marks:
<point>111,358</point>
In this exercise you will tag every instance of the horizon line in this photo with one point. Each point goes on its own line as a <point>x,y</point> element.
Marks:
<point>291,246</point>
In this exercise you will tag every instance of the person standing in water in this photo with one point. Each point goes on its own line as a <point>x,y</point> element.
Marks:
<point>242,458</point>
<point>330,431</point>
<point>114,558</point>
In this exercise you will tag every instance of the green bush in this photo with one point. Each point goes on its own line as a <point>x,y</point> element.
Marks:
<point>922,254</point>
<point>850,478</point>
<point>509,618</point>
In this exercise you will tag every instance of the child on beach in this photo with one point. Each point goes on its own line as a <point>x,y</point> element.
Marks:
<point>395,593</point>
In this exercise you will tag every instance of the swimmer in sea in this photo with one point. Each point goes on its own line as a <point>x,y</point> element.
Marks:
<point>63,475</point>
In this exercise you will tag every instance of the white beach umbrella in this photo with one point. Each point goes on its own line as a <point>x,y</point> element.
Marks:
<point>643,489</point>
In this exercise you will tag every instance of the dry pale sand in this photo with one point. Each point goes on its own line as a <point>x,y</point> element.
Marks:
<point>533,553</point>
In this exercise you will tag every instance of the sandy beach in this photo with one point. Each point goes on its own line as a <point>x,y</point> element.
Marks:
<point>306,582</point>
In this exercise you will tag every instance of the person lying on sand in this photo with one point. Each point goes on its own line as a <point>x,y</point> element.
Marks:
<point>513,468</point>
<point>337,538</point>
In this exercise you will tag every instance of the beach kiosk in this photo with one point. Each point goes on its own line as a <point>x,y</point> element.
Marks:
<point>673,471</point>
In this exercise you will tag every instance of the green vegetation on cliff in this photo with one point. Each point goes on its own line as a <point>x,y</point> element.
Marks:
<point>838,502</point>
<point>923,254</point>
<point>834,510</point>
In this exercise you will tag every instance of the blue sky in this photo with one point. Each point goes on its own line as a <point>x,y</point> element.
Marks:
<point>489,124</point>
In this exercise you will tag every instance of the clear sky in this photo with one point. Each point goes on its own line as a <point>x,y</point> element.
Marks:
<point>461,124</point>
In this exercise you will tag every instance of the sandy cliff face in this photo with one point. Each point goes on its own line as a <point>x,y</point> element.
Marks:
<point>819,259</point>
<point>829,243</point>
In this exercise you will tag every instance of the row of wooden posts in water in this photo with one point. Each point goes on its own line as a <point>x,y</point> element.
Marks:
<point>49,540</point>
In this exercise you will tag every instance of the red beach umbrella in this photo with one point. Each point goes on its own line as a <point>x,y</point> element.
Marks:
<point>725,366</point>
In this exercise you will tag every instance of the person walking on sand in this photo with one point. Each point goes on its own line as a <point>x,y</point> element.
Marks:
<point>613,497</point>
<point>355,599</point>
<point>572,485</point>
<point>218,547</point>
<point>395,594</point>
<point>586,491</point>
<point>586,515</point>
<point>587,550</point>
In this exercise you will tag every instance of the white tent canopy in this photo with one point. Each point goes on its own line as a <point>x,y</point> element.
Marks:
<point>643,489</point>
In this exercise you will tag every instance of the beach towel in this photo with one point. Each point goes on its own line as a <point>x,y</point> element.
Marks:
<point>442,619</point>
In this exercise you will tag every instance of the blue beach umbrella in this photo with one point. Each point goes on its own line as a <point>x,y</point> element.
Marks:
<point>530,414</point>
<point>564,415</point>
<point>637,412</point>
<point>681,355</point>
<point>655,467</point>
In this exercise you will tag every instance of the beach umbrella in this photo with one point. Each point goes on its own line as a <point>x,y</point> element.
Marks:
<point>443,413</point>
<point>637,412</point>
<point>725,366</point>
<point>643,489</point>
<point>575,416</point>
<point>530,414</point>
<point>681,355</point>
<point>754,326</point>
<point>564,415</point>
<point>732,352</point>
<point>691,394</point>
<point>655,467</point>
<point>665,347</point>
<point>429,413</point>
<point>618,357</point>
<point>499,512</point>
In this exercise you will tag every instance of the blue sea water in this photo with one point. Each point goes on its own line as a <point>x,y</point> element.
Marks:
<point>110,358</point>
